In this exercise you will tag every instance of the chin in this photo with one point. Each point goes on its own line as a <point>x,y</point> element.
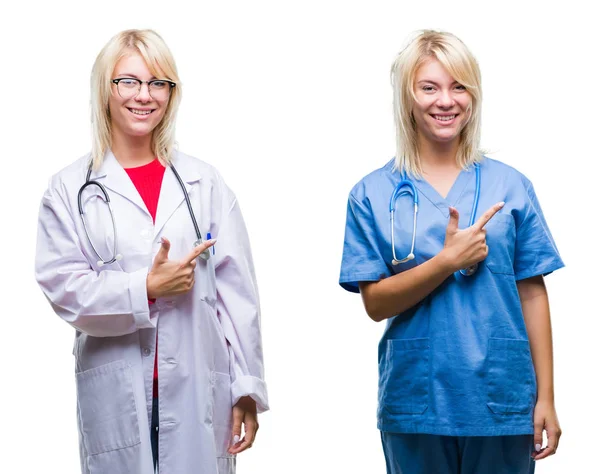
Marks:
<point>140,131</point>
<point>446,137</point>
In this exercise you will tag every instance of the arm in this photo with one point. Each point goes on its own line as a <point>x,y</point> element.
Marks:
<point>536,312</point>
<point>239,313</point>
<point>462,248</point>
<point>238,308</point>
<point>107,303</point>
<point>393,295</point>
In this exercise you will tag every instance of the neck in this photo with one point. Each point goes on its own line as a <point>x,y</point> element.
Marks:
<point>130,151</point>
<point>436,155</point>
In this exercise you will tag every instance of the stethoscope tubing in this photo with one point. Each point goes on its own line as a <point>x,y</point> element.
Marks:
<point>473,268</point>
<point>206,253</point>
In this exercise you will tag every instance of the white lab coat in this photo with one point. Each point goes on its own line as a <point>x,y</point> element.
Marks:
<point>209,341</point>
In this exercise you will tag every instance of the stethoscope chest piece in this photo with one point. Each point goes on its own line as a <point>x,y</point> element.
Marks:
<point>204,255</point>
<point>469,271</point>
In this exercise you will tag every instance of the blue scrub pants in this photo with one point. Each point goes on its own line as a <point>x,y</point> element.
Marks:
<point>432,454</point>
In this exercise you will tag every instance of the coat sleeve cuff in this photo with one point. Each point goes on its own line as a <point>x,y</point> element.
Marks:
<point>139,299</point>
<point>250,386</point>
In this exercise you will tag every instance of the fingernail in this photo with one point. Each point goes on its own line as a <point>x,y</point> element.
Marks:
<point>538,447</point>
<point>211,241</point>
<point>501,205</point>
<point>236,439</point>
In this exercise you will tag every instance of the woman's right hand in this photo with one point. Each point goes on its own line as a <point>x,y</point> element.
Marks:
<point>173,277</point>
<point>466,247</point>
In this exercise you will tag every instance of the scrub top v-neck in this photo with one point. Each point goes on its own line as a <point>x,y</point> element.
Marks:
<point>455,192</point>
<point>458,363</point>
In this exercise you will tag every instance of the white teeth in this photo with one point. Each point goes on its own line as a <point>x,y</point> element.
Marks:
<point>141,112</point>
<point>444,118</point>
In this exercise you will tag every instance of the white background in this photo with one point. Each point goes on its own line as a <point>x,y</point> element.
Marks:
<point>292,102</point>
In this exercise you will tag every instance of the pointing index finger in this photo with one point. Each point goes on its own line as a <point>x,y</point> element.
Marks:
<point>487,215</point>
<point>198,250</point>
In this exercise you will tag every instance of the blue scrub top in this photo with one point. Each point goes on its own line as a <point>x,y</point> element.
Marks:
<point>458,363</point>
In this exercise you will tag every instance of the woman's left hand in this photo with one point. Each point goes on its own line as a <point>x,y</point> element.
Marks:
<point>244,411</point>
<point>545,418</point>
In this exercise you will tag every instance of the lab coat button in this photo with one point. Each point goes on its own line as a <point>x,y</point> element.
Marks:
<point>146,351</point>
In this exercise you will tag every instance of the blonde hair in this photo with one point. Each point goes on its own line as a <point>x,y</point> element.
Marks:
<point>160,62</point>
<point>452,53</point>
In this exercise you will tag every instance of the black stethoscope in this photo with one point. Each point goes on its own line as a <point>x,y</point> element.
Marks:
<point>205,255</point>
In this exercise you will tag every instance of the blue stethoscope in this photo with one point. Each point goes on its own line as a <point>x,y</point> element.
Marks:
<point>205,255</point>
<point>399,191</point>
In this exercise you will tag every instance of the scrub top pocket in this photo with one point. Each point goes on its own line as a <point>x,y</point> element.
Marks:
<point>405,378</point>
<point>107,408</point>
<point>511,378</point>
<point>500,237</point>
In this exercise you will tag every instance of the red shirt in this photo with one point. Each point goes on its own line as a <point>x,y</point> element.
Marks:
<point>148,180</point>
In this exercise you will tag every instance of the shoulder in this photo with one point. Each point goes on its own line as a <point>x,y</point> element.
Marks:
<point>501,171</point>
<point>192,169</point>
<point>196,166</point>
<point>373,181</point>
<point>70,177</point>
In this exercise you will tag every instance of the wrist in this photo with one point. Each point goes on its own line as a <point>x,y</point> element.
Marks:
<point>445,262</point>
<point>547,399</point>
<point>150,292</point>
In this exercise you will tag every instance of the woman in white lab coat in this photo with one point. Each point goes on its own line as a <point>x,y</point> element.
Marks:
<point>154,300</point>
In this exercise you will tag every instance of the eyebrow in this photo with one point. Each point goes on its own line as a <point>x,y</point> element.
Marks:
<point>429,81</point>
<point>127,74</point>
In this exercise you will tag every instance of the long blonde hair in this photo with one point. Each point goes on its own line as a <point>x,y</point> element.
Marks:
<point>160,62</point>
<point>452,53</point>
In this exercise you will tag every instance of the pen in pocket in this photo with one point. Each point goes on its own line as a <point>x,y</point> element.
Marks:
<point>208,237</point>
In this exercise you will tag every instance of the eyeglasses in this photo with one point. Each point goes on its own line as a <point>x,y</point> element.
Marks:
<point>128,87</point>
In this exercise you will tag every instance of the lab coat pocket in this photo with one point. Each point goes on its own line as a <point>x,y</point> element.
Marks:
<point>222,413</point>
<point>107,409</point>
<point>500,238</point>
<point>405,379</point>
<point>511,377</point>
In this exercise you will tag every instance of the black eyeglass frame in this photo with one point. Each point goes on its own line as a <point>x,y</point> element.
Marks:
<point>140,82</point>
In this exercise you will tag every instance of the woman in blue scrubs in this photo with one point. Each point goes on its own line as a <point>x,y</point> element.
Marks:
<point>465,362</point>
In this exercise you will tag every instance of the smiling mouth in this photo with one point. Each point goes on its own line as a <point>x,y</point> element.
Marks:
<point>445,118</point>
<point>140,112</point>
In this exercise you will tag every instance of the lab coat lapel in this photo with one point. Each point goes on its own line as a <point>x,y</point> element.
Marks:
<point>112,175</point>
<point>171,194</point>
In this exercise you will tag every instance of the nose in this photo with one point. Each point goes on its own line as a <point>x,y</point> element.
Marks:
<point>144,93</point>
<point>445,99</point>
